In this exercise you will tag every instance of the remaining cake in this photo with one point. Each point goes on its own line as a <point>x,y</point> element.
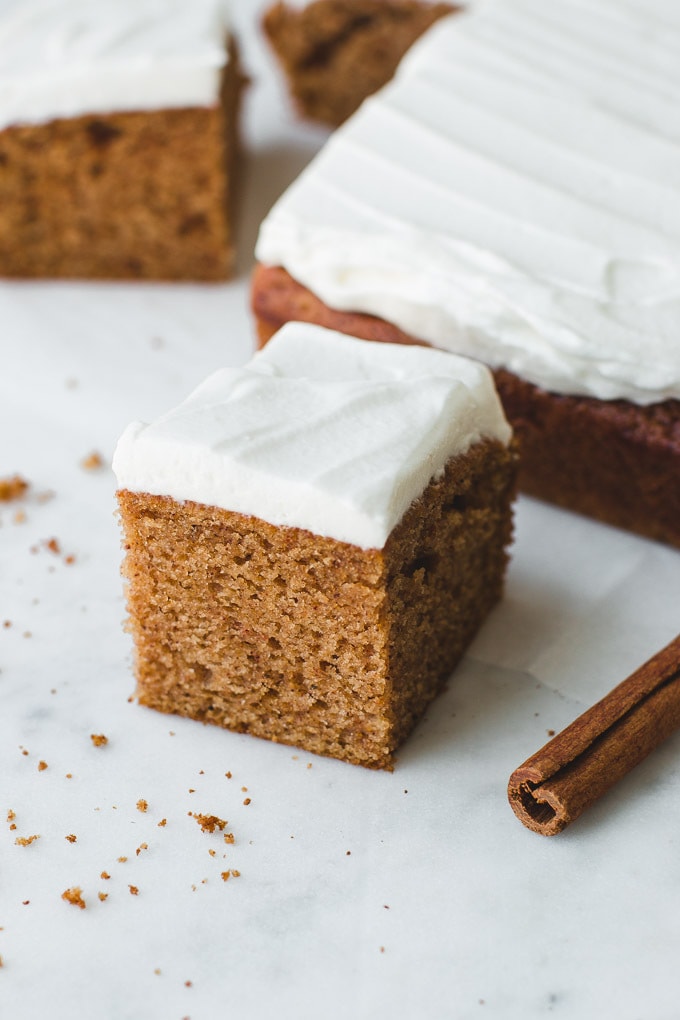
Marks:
<point>336,52</point>
<point>513,195</point>
<point>118,139</point>
<point>313,540</point>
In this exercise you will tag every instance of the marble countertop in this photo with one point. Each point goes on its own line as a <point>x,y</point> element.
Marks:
<point>358,894</point>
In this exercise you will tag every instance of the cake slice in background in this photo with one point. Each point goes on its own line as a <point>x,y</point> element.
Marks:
<point>513,195</point>
<point>335,53</point>
<point>313,540</point>
<point>118,139</point>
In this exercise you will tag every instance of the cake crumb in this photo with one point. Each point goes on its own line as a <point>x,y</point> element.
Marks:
<point>551,733</point>
<point>105,875</point>
<point>72,838</point>
<point>103,896</point>
<point>209,823</point>
<point>92,462</point>
<point>122,860</point>
<point>98,739</point>
<point>20,517</point>
<point>228,775</point>
<point>134,890</point>
<point>230,873</point>
<point>163,822</point>
<point>53,545</point>
<point>26,840</point>
<point>142,805</point>
<point>11,815</point>
<point>7,624</point>
<point>69,775</point>
<point>246,800</point>
<point>12,488</point>
<point>229,837</point>
<point>42,765</point>
<point>74,896</point>
<point>142,846</point>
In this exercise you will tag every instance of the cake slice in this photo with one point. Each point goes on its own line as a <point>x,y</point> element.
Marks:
<point>313,540</point>
<point>335,53</point>
<point>118,139</point>
<point>512,195</point>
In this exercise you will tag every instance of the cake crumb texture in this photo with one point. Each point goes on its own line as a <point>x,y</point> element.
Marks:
<point>335,53</point>
<point>306,640</point>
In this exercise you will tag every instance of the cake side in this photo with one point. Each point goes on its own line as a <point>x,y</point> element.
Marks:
<point>335,53</point>
<point>140,195</point>
<point>616,461</point>
<point>306,640</point>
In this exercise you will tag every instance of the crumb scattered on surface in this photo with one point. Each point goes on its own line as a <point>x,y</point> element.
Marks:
<point>142,846</point>
<point>230,873</point>
<point>12,488</point>
<point>209,823</point>
<point>53,545</point>
<point>103,896</point>
<point>74,896</point>
<point>7,624</point>
<point>142,805</point>
<point>551,733</point>
<point>134,891</point>
<point>20,517</point>
<point>42,765</point>
<point>72,838</point>
<point>11,815</point>
<point>229,837</point>
<point>163,822</point>
<point>93,462</point>
<point>228,775</point>
<point>98,739</point>
<point>246,800</point>
<point>105,875</point>
<point>122,860</point>
<point>69,775</point>
<point>26,840</point>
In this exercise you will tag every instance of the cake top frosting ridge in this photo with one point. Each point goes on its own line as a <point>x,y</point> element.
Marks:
<point>318,431</point>
<point>64,58</point>
<point>513,195</point>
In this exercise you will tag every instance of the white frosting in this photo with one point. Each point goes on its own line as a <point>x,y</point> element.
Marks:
<point>513,195</point>
<point>64,58</point>
<point>318,431</point>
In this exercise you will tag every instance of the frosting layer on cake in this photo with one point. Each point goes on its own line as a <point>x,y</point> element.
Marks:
<point>513,195</point>
<point>65,58</point>
<point>318,431</point>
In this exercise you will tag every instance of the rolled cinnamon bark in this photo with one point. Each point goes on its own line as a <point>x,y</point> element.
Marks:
<point>557,784</point>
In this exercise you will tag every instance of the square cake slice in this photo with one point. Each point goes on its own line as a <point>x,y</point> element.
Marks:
<point>118,139</point>
<point>313,540</point>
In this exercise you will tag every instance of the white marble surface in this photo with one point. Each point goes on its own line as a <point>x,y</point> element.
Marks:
<point>412,894</point>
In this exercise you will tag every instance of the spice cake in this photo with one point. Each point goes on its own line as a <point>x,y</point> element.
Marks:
<point>118,139</point>
<point>336,52</point>
<point>512,195</point>
<point>313,540</point>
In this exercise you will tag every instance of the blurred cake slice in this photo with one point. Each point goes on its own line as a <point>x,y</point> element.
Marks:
<point>118,139</point>
<point>512,195</point>
<point>335,53</point>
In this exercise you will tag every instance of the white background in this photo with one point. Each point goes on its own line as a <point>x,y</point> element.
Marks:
<point>361,894</point>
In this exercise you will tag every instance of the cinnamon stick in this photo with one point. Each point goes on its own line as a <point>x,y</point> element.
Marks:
<point>557,784</point>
